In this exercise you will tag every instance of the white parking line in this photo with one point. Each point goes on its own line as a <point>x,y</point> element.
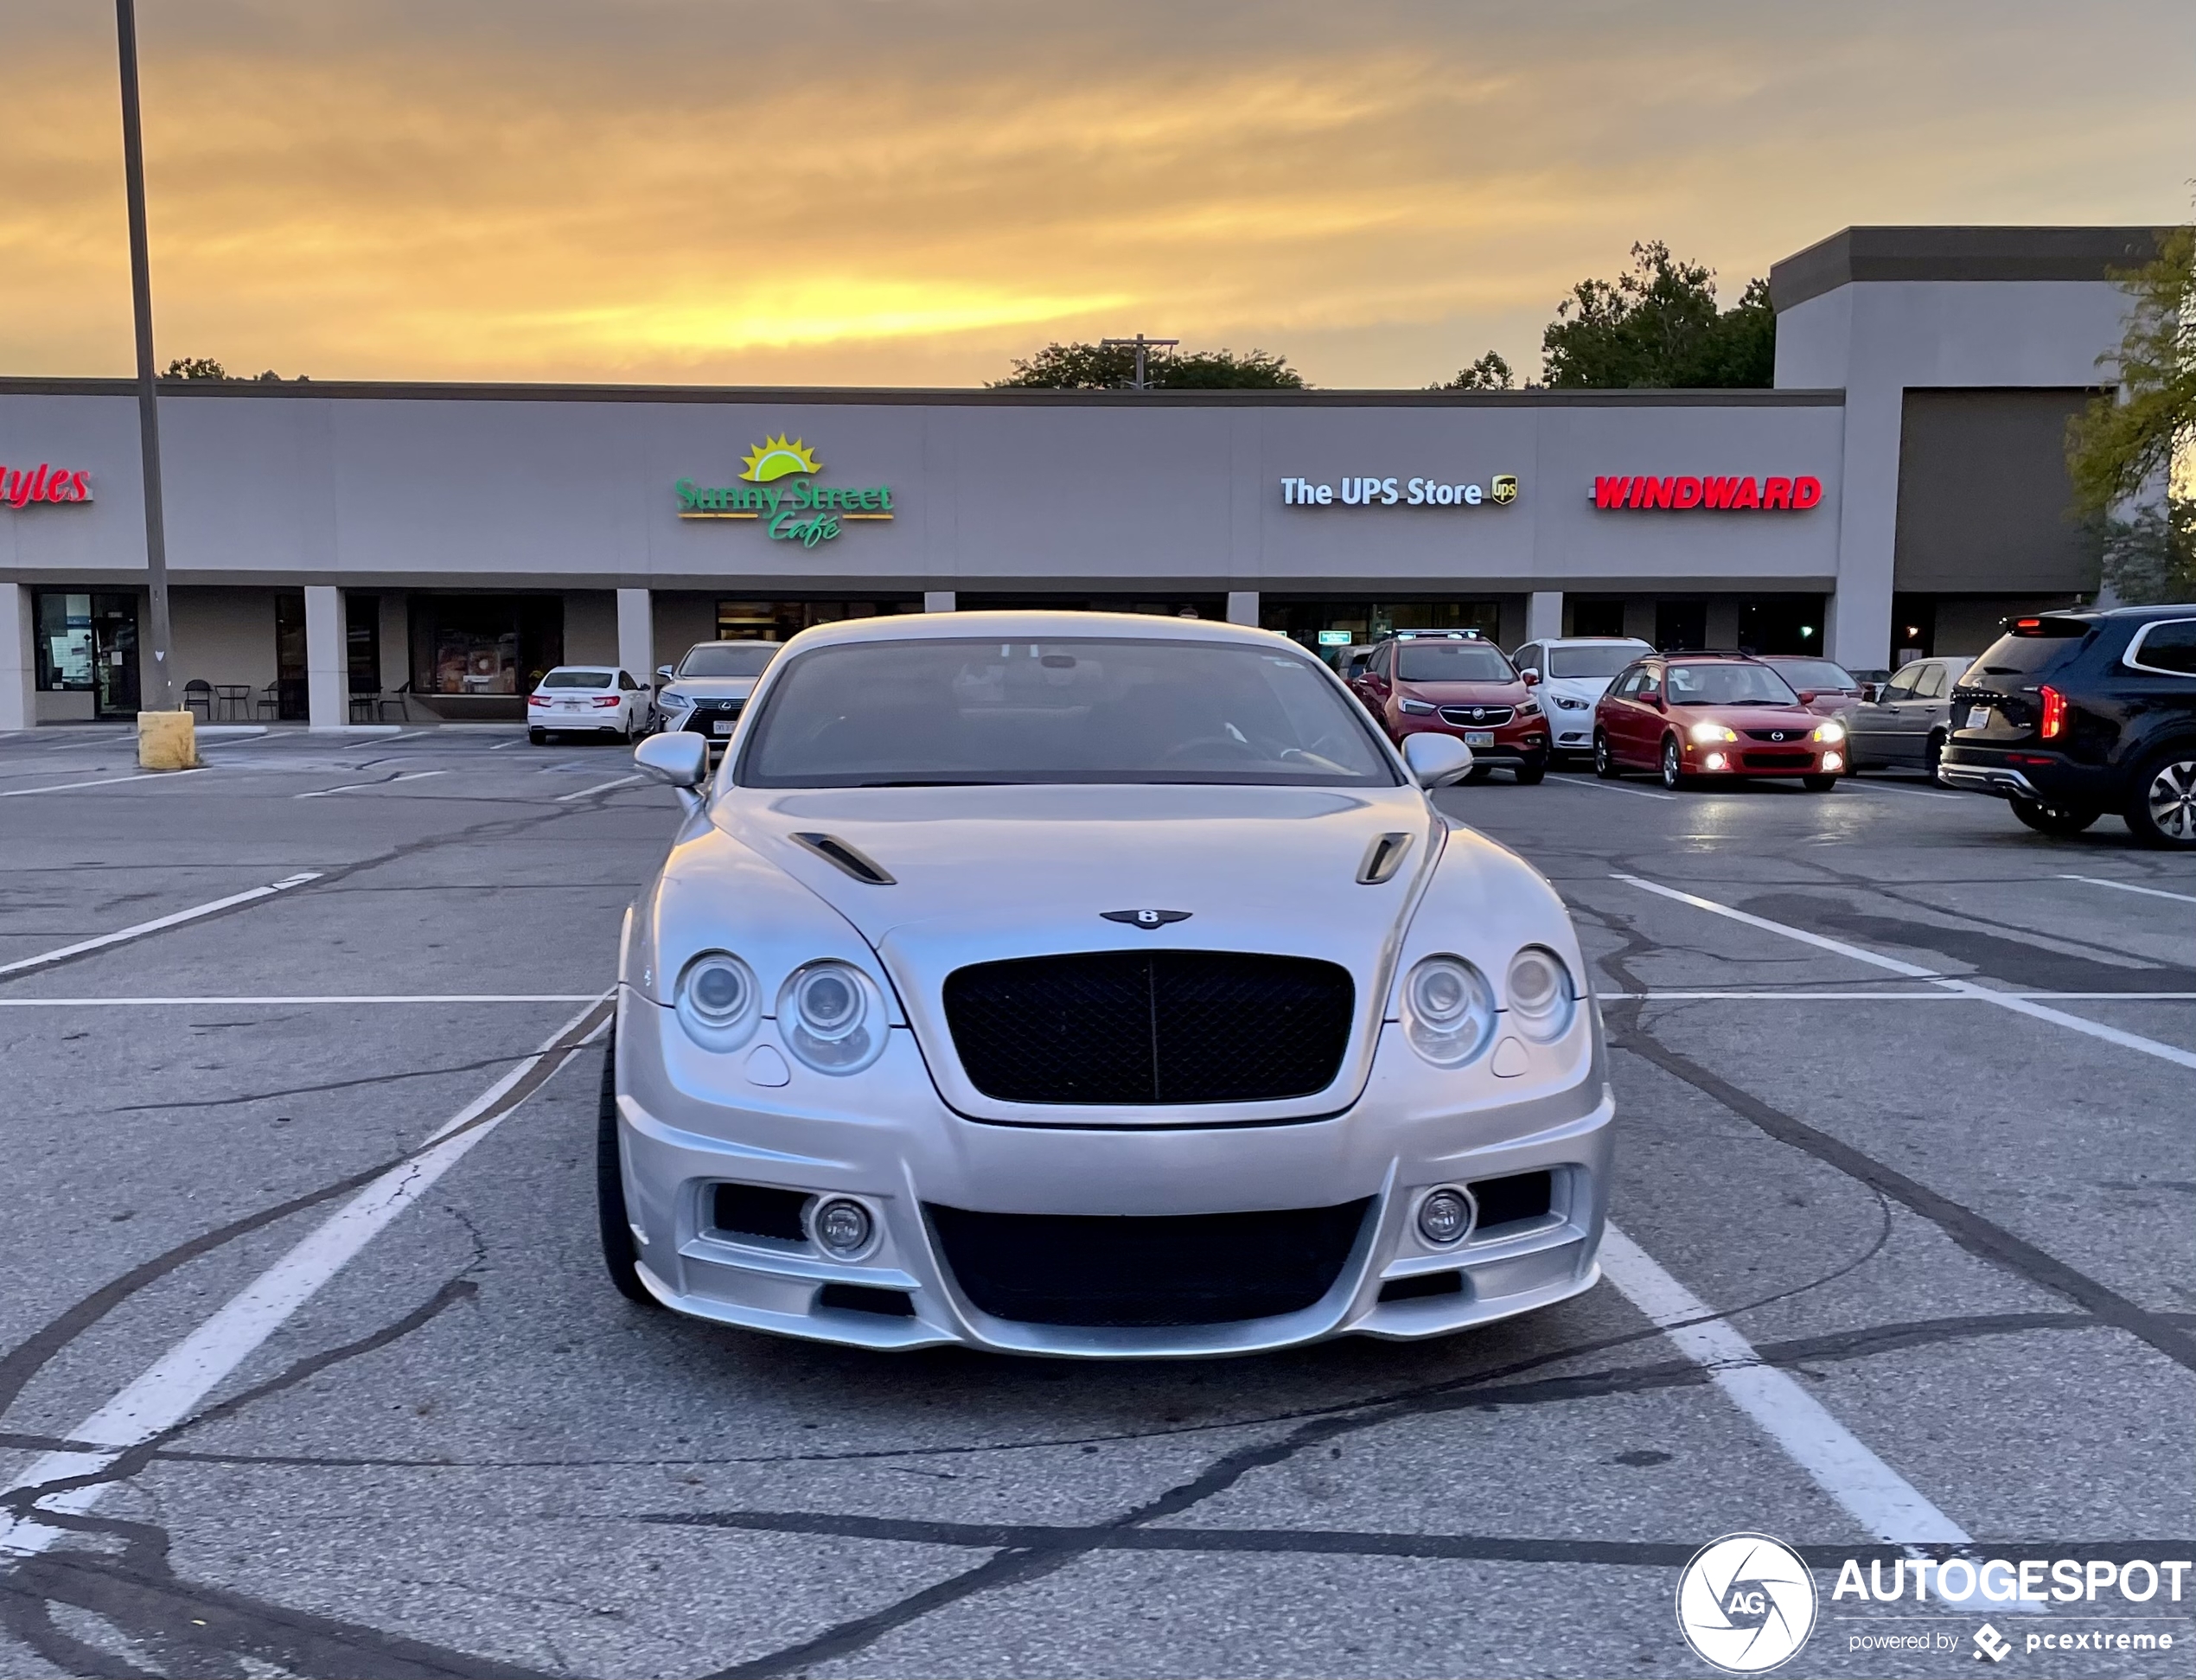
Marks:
<point>175,1382</point>
<point>600,786</point>
<point>1763,995</point>
<point>314,998</point>
<point>2012,1000</point>
<point>1900,787</point>
<point>1878,1498</point>
<point>2129,886</point>
<point>104,781</point>
<point>143,928</point>
<point>1610,787</point>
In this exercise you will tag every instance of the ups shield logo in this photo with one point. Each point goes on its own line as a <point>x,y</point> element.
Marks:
<point>1504,488</point>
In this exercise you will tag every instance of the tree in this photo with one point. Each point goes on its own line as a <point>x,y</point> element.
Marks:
<point>205,367</point>
<point>2149,557</point>
<point>1489,372</point>
<point>1099,367</point>
<point>2132,441</point>
<point>1658,325</point>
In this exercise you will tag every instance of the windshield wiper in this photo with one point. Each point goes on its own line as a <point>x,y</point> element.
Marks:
<point>939,781</point>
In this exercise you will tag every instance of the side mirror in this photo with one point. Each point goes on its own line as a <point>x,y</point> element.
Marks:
<point>663,673</point>
<point>1436,760</point>
<point>1808,696</point>
<point>1869,692</point>
<point>680,759</point>
<point>1531,676</point>
<point>1654,701</point>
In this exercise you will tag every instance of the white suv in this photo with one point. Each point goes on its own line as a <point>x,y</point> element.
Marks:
<point>1571,672</point>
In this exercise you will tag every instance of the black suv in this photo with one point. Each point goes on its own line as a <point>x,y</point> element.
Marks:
<point>2073,714</point>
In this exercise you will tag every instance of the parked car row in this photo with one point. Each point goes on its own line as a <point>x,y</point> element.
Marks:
<point>705,692</point>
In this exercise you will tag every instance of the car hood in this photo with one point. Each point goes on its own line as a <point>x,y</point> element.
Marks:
<point>711,688</point>
<point>1748,717</point>
<point>981,874</point>
<point>1464,694</point>
<point>1576,689</point>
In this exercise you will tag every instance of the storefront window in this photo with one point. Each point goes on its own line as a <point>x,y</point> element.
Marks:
<point>484,644</point>
<point>781,621</point>
<point>1368,620</point>
<point>64,642</point>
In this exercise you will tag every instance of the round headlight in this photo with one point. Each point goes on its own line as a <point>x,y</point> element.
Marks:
<point>1448,1010</point>
<point>1445,1216</point>
<point>1706,732</point>
<point>1541,999</point>
<point>831,1016</point>
<point>716,1000</point>
<point>1833,732</point>
<point>841,1226</point>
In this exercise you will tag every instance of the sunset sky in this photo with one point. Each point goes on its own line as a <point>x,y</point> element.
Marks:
<point>911,191</point>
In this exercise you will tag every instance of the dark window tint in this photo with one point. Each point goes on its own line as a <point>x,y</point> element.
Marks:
<point>1452,661</point>
<point>1817,673</point>
<point>1728,684</point>
<point>736,659</point>
<point>2170,647</point>
<point>2036,644</point>
<point>576,679</point>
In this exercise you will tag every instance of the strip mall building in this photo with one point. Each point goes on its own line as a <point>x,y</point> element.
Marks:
<point>1900,489</point>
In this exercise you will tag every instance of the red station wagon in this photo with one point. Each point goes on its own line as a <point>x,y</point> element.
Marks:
<point>1457,682</point>
<point>1696,718</point>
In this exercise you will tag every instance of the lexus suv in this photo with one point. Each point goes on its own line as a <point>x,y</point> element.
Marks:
<point>708,691</point>
<point>2073,714</point>
<point>1457,682</point>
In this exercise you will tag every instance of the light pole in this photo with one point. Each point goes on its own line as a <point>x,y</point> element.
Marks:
<point>161,694</point>
<point>1139,344</point>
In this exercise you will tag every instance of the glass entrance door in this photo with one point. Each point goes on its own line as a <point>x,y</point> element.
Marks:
<point>114,655</point>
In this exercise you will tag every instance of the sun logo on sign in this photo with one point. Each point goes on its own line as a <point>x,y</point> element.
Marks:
<point>776,458</point>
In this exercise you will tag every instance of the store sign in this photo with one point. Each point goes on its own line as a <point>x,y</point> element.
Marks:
<point>20,486</point>
<point>1717,494</point>
<point>1501,490</point>
<point>780,489</point>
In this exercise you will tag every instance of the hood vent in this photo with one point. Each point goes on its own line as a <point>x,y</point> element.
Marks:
<point>1383,858</point>
<point>843,857</point>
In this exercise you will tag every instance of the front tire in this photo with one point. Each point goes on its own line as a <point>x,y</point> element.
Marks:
<point>1605,761</point>
<point>620,1257</point>
<point>1932,760</point>
<point>1673,775</point>
<point>1529,775</point>
<point>1478,773</point>
<point>2054,818</point>
<point>1818,784</point>
<point>2163,810</point>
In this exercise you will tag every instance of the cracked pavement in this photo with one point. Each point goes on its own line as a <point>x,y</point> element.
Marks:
<point>1966,1234</point>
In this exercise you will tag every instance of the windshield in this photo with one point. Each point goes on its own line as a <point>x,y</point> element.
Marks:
<point>728,659</point>
<point>1815,674</point>
<point>576,679</point>
<point>918,713</point>
<point>1726,684</point>
<point>1592,661</point>
<point>1452,661</point>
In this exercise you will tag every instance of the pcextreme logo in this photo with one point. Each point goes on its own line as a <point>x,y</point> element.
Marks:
<point>803,511</point>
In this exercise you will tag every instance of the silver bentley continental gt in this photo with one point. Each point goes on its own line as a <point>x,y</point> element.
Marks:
<point>1069,983</point>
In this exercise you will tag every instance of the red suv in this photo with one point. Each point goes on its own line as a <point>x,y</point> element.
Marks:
<point>1457,682</point>
<point>1696,718</point>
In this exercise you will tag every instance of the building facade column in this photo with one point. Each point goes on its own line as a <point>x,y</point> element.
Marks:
<point>1243,607</point>
<point>1543,615</point>
<point>326,659</point>
<point>637,634</point>
<point>18,659</point>
<point>938,600</point>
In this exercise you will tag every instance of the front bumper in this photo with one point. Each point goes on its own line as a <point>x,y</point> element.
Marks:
<point>1392,1283</point>
<point>1523,740</point>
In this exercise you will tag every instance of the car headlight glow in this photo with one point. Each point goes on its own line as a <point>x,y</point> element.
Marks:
<point>1832,731</point>
<point>1418,708</point>
<point>1448,1010</point>
<point>717,1001</point>
<point>1570,705</point>
<point>1705,732</point>
<point>1541,999</point>
<point>831,1016</point>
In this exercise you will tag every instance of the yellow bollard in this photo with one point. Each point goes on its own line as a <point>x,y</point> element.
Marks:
<point>167,741</point>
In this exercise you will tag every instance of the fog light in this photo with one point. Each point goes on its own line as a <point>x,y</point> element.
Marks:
<point>1444,1217</point>
<point>1833,761</point>
<point>1715,761</point>
<point>841,1226</point>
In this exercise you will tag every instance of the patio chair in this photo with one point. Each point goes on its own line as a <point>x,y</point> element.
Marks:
<point>400,699</point>
<point>364,694</point>
<point>198,697</point>
<point>269,703</point>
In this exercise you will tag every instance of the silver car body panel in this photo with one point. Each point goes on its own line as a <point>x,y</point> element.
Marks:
<point>985,873</point>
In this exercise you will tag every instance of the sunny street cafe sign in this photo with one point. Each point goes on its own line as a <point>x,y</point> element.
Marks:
<point>780,489</point>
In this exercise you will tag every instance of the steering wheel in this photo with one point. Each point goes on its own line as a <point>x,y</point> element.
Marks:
<point>1240,749</point>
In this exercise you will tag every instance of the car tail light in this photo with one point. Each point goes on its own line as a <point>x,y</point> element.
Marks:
<point>608,700</point>
<point>2054,713</point>
<point>537,700</point>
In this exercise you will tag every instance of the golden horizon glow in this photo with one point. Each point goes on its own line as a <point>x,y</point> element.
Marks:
<point>916,191</point>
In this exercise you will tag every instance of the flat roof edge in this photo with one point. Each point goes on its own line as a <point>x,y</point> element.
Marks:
<point>889,396</point>
<point>1957,253</point>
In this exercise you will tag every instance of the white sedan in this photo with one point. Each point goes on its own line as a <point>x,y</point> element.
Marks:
<point>1077,984</point>
<point>599,700</point>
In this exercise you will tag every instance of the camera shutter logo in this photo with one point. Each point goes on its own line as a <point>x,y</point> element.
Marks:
<point>1745,1603</point>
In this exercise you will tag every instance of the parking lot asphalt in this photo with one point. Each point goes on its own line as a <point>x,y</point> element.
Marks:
<point>300,1176</point>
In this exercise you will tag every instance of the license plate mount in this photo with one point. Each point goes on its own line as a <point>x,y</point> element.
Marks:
<point>1478,737</point>
<point>1978,717</point>
<point>722,726</point>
